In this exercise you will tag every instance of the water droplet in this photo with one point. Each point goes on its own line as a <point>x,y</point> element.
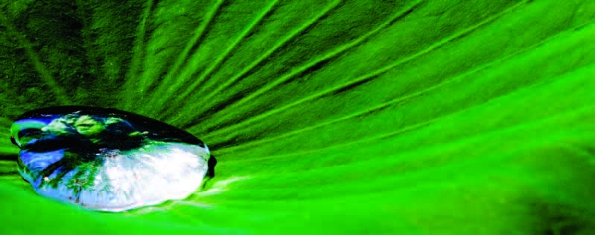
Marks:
<point>107,159</point>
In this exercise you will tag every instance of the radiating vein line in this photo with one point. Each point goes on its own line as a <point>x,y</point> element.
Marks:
<point>343,144</point>
<point>373,139</point>
<point>389,103</point>
<point>373,109</point>
<point>5,164</point>
<point>183,57</point>
<point>363,78</point>
<point>316,61</point>
<point>399,99</point>
<point>217,62</point>
<point>418,168</point>
<point>8,149</point>
<point>133,75</point>
<point>338,51</point>
<point>418,125</point>
<point>259,60</point>
<point>44,74</point>
<point>13,179</point>
<point>12,175</point>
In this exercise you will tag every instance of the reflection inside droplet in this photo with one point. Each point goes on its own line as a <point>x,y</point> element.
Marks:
<point>107,159</point>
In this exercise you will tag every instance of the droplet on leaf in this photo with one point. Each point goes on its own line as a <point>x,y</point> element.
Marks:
<point>107,159</point>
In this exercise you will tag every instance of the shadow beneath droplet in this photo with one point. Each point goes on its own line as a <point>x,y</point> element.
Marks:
<point>212,162</point>
<point>210,172</point>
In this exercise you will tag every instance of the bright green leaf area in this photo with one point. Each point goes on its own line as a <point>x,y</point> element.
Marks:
<point>326,117</point>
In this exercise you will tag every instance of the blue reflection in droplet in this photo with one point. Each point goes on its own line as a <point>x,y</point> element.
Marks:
<point>107,159</point>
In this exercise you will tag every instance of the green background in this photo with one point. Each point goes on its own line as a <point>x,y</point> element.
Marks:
<point>346,117</point>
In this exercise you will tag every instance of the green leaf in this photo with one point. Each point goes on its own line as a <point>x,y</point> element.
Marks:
<point>346,117</point>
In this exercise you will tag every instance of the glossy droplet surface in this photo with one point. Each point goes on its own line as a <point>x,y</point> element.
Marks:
<point>107,159</point>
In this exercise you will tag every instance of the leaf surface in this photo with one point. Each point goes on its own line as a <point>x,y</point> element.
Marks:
<point>346,117</point>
